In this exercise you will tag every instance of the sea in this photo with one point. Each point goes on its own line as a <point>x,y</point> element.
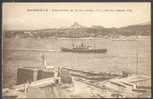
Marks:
<point>130,55</point>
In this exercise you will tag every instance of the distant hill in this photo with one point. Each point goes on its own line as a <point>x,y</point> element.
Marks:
<point>77,31</point>
<point>135,30</point>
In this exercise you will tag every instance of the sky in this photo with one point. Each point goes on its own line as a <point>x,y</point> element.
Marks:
<point>19,16</point>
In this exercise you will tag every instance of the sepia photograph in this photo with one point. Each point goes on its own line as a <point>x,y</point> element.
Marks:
<point>76,50</point>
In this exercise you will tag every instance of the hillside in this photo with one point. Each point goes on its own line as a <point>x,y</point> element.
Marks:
<point>77,31</point>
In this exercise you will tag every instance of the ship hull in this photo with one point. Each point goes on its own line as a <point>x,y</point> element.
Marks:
<point>84,50</point>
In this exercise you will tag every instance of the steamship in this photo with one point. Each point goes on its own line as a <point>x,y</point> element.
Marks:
<point>83,49</point>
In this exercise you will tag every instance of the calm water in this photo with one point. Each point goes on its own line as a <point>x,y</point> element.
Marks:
<point>121,55</point>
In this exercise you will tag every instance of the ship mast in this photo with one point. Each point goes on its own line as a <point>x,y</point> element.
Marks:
<point>73,43</point>
<point>94,44</point>
<point>43,57</point>
<point>137,54</point>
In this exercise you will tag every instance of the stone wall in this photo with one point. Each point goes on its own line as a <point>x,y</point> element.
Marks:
<point>32,74</point>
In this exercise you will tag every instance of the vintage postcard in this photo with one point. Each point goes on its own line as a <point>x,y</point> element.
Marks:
<point>77,50</point>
